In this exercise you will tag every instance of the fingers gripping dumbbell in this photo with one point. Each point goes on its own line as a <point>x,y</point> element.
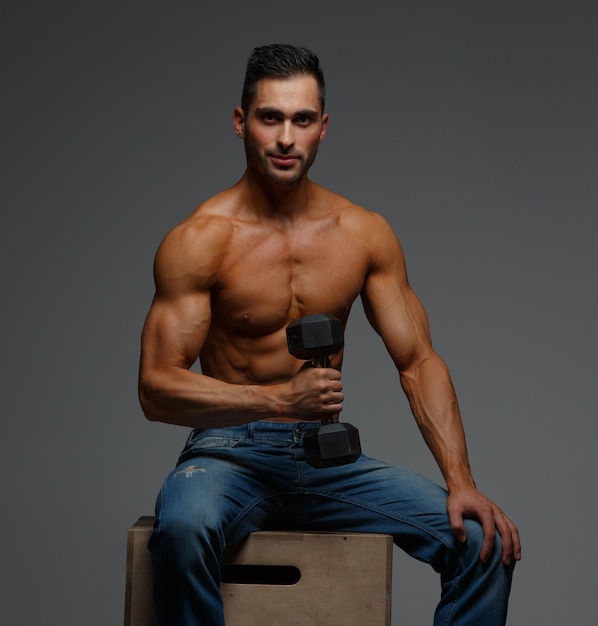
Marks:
<point>314,338</point>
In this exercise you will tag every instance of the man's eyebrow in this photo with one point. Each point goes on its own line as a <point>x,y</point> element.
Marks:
<point>310,113</point>
<point>267,111</point>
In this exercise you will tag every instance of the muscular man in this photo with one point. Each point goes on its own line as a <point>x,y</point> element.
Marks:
<point>272,248</point>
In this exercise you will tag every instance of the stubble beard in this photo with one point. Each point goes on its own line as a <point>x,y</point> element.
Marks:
<point>263,164</point>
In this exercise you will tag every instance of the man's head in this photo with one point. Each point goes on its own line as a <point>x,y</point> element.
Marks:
<point>281,120</point>
<point>280,61</point>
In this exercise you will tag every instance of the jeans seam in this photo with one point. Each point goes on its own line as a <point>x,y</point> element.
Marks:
<point>456,583</point>
<point>404,520</point>
<point>243,512</point>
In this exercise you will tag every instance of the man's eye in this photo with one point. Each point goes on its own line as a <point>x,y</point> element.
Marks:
<point>303,120</point>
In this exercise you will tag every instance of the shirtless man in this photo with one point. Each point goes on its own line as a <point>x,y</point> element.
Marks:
<point>229,279</point>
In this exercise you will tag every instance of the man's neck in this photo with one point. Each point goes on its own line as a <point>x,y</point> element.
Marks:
<point>278,200</point>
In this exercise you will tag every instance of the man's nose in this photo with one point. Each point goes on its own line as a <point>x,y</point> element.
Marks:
<point>286,137</point>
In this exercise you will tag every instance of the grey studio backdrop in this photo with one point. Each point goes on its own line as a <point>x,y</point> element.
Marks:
<point>471,126</point>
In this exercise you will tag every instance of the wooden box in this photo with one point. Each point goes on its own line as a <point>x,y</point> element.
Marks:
<point>284,578</point>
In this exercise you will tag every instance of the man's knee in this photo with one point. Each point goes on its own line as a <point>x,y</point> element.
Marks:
<point>475,543</point>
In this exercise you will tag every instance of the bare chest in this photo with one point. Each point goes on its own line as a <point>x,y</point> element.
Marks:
<point>269,278</point>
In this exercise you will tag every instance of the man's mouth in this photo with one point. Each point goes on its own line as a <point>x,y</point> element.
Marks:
<point>284,160</point>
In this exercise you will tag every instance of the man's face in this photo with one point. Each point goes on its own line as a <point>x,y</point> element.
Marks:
<point>283,128</point>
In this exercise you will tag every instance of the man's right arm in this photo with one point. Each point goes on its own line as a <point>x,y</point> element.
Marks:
<point>175,331</point>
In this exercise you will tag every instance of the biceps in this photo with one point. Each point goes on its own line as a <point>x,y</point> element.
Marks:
<point>175,331</point>
<point>397,315</point>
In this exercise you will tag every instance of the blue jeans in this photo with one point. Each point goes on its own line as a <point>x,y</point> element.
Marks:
<point>232,481</point>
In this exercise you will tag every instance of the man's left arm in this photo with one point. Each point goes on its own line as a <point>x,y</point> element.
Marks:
<point>398,316</point>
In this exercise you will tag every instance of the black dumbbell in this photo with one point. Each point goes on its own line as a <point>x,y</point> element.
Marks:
<point>314,338</point>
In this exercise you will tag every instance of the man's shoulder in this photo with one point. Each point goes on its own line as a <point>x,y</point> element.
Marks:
<point>354,215</point>
<point>190,255</point>
<point>195,237</point>
<point>197,245</point>
<point>209,222</point>
<point>368,228</point>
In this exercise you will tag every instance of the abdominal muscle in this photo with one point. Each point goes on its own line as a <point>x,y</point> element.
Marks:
<point>251,359</point>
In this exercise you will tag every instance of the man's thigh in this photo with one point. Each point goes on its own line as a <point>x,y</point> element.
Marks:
<point>374,496</point>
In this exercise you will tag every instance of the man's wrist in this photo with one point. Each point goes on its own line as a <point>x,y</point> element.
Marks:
<point>460,480</point>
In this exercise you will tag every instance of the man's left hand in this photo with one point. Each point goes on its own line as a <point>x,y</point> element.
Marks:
<point>471,504</point>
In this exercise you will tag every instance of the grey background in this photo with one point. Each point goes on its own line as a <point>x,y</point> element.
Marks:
<point>471,126</point>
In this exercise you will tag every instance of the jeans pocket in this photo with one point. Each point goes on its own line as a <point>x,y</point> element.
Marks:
<point>197,443</point>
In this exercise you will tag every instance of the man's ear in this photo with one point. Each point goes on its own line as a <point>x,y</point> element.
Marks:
<point>239,122</point>
<point>324,127</point>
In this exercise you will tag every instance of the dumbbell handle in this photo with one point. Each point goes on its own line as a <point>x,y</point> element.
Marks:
<point>320,361</point>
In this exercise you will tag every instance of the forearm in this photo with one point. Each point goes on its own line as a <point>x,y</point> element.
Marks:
<point>180,396</point>
<point>434,405</point>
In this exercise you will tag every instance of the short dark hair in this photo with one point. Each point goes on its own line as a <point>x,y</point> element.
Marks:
<point>280,61</point>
